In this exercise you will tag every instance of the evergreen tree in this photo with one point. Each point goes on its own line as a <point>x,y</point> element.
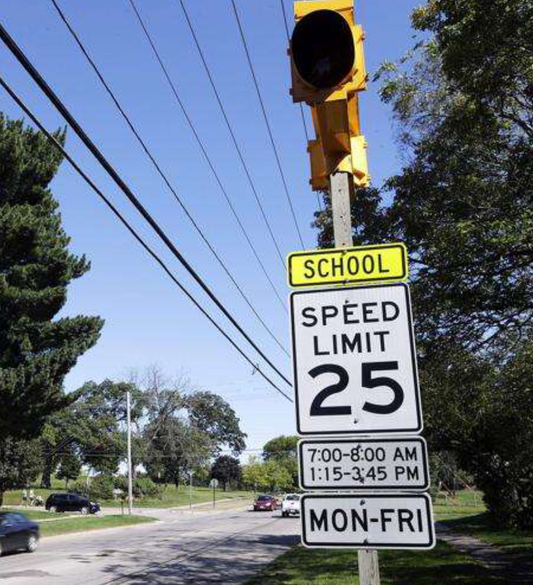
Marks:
<point>37,349</point>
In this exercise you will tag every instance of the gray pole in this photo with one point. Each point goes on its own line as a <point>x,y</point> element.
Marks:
<point>341,193</point>
<point>190,490</point>
<point>130,470</point>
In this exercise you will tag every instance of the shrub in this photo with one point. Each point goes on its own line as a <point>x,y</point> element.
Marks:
<point>143,487</point>
<point>100,487</point>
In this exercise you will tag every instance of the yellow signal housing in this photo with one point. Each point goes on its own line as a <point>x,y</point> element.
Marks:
<point>339,146</point>
<point>327,52</point>
<point>328,72</point>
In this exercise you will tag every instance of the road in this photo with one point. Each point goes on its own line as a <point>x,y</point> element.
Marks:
<point>183,548</point>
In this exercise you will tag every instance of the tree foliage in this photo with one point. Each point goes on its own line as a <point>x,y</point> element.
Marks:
<point>19,464</point>
<point>226,469</point>
<point>92,428</point>
<point>268,475</point>
<point>69,467</point>
<point>212,415</point>
<point>283,451</point>
<point>37,349</point>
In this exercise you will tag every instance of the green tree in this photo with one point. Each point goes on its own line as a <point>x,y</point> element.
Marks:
<point>212,415</point>
<point>69,467</point>
<point>281,447</point>
<point>37,349</point>
<point>254,475</point>
<point>269,475</point>
<point>226,469</point>
<point>19,464</point>
<point>485,49</point>
<point>174,447</point>
<point>92,427</point>
<point>283,450</point>
<point>277,477</point>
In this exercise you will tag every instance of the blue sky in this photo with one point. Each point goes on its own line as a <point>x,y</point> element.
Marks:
<point>148,321</point>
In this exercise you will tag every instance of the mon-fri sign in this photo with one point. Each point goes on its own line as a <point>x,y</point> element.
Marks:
<point>364,464</point>
<point>370,521</point>
<point>354,361</point>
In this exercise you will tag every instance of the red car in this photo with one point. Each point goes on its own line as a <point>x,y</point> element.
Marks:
<point>265,504</point>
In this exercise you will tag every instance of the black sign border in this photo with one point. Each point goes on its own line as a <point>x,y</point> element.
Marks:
<point>420,427</point>
<point>369,546</point>
<point>347,280</point>
<point>338,486</point>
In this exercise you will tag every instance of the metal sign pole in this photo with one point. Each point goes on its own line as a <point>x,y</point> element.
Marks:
<point>341,189</point>
<point>130,469</point>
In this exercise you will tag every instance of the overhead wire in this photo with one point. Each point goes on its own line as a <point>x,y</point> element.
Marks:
<point>110,170</point>
<point>203,149</point>
<point>231,131</point>
<point>267,121</point>
<point>159,170</point>
<point>302,114</point>
<point>132,231</point>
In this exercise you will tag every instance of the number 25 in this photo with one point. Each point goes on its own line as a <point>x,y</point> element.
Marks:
<point>317,408</point>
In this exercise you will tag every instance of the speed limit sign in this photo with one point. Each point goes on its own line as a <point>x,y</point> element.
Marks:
<point>354,361</point>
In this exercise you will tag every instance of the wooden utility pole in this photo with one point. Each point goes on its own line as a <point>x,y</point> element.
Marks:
<point>341,189</point>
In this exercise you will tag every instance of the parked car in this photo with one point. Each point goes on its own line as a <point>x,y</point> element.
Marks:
<point>265,504</point>
<point>290,505</point>
<point>17,532</point>
<point>71,503</point>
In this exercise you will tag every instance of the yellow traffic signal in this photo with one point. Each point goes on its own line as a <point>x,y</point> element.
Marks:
<point>328,71</point>
<point>327,52</point>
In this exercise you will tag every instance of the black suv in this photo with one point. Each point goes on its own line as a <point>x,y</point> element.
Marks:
<point>71,503</point>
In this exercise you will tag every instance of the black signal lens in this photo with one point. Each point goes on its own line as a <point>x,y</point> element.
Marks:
<point>323,49</point>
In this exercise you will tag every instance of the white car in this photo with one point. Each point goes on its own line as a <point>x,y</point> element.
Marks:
<point>290,505</point>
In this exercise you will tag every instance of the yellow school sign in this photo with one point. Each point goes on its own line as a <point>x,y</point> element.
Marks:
<point>364,264</point>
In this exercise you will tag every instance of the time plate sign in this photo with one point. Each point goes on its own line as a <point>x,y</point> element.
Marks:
<point>364,464</point>
<point>369,521</point>
<point>354,361</point>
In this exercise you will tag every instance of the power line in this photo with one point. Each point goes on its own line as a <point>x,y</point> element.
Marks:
<point>231,131</point>
<point>267,121</point>
<point>160,171</point>
<point>302,114</point>
<point>61,108</point>
<point>204,151</point>
<point>112,455</point>
<point>124,222</point>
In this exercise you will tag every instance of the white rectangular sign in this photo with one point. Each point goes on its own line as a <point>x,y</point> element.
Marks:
<point>354,361</point>
<point>370,521</point>
<point>364,464</point>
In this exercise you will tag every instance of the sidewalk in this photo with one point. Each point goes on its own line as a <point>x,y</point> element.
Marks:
<point>493,558</point>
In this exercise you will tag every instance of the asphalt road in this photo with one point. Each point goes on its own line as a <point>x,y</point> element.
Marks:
<point>183,548</point>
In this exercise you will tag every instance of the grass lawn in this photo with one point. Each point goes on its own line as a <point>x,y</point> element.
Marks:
<point>173,496</point>
<point>87,523</point>
<point>466,503</point>
<point>442,566</point>
<point>33,513</point>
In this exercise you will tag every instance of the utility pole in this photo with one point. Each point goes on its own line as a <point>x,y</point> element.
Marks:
<point>130,469</point>
<point>341,189</point>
